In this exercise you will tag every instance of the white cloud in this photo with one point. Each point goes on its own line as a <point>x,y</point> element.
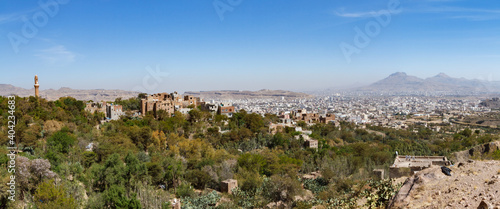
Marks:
<point>16,16</point>
<point>462,9</point>
<point>355,14</point>
<point>476,17</point>
<point>56,55</point>
<point>6,18</point>
<point>471,14</point>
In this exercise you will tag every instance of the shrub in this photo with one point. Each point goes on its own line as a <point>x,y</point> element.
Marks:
<point>184,190</point>
<point>282,188</point>
<point>202,202</point>
<point>496,155</point>
<point>380,192</point>
<point>316,185</point>
<point>51,196</point>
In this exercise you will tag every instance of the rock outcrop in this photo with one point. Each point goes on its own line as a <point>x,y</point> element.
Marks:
<point>475,152</point>
<point>474,184</point>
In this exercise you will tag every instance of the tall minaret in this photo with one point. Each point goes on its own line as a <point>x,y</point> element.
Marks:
<point>37,93</point>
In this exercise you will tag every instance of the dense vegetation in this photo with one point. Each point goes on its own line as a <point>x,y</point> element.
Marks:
<point>146,162</point>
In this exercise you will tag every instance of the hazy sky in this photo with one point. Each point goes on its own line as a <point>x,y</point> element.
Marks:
<point>181,45</point>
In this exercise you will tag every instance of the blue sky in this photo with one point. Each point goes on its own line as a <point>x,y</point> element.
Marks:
<point>174,45</point>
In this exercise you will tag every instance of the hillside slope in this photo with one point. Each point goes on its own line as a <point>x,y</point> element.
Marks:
<point>471,184</point>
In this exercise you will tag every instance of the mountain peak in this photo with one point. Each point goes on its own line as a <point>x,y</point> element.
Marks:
<point>442,75</point>
<point>398,74</point>
<point>401,82</point>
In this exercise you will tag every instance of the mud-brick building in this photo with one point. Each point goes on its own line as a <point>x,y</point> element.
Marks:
<point>168,102</point>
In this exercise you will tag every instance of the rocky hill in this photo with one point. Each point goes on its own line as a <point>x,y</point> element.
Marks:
<point>472,184</point>
<point>401,82</point>
<point>235,94</point>
<point>491,103</point>
<point>51,94</point>
<point>7,89</point>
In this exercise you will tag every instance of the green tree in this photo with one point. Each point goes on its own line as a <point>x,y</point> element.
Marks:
<point>156,172</point>
<point>116,197</point>
<point>198,178</point>
<point>174,169</point>
<point>111,173</point>
<point>253,122</point>
<point>89,157</point>
<point>50,196</point>
<point>466,132</point>
<point>185,190</point>
<point>61,141</point>
<point>31,135</point>
<point>136,170</point>
<point>249,181</point>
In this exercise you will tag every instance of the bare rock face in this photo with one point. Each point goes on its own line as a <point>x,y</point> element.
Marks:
<point>477,151</point>
<point>475,184</point>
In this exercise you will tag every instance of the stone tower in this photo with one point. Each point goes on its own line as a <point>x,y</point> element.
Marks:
<point>37,93</point>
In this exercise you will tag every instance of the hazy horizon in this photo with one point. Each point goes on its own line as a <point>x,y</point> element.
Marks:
<point>255,88</point>
<point>246,45</point>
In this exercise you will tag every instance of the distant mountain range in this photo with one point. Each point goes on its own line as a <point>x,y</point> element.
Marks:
<point>111,95</point>
<point>398,83</point>
<point>51,94</point>
<point>401,82</point>
<point>235,94</point>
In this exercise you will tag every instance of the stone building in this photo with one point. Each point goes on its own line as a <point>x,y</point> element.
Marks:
<point>113,112</point>
<point>379,174</point>
<point>95,107</point>
<point>156,102</point>
<point>327,118</point>
<point>311,143</point>
<point>408,165</point>
<point>210,107</point>
<point>228,185</point>
<point>168,102</point>
<point>303,115</point>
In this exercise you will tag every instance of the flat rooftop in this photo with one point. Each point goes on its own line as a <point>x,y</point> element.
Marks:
<point>417,161</point>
